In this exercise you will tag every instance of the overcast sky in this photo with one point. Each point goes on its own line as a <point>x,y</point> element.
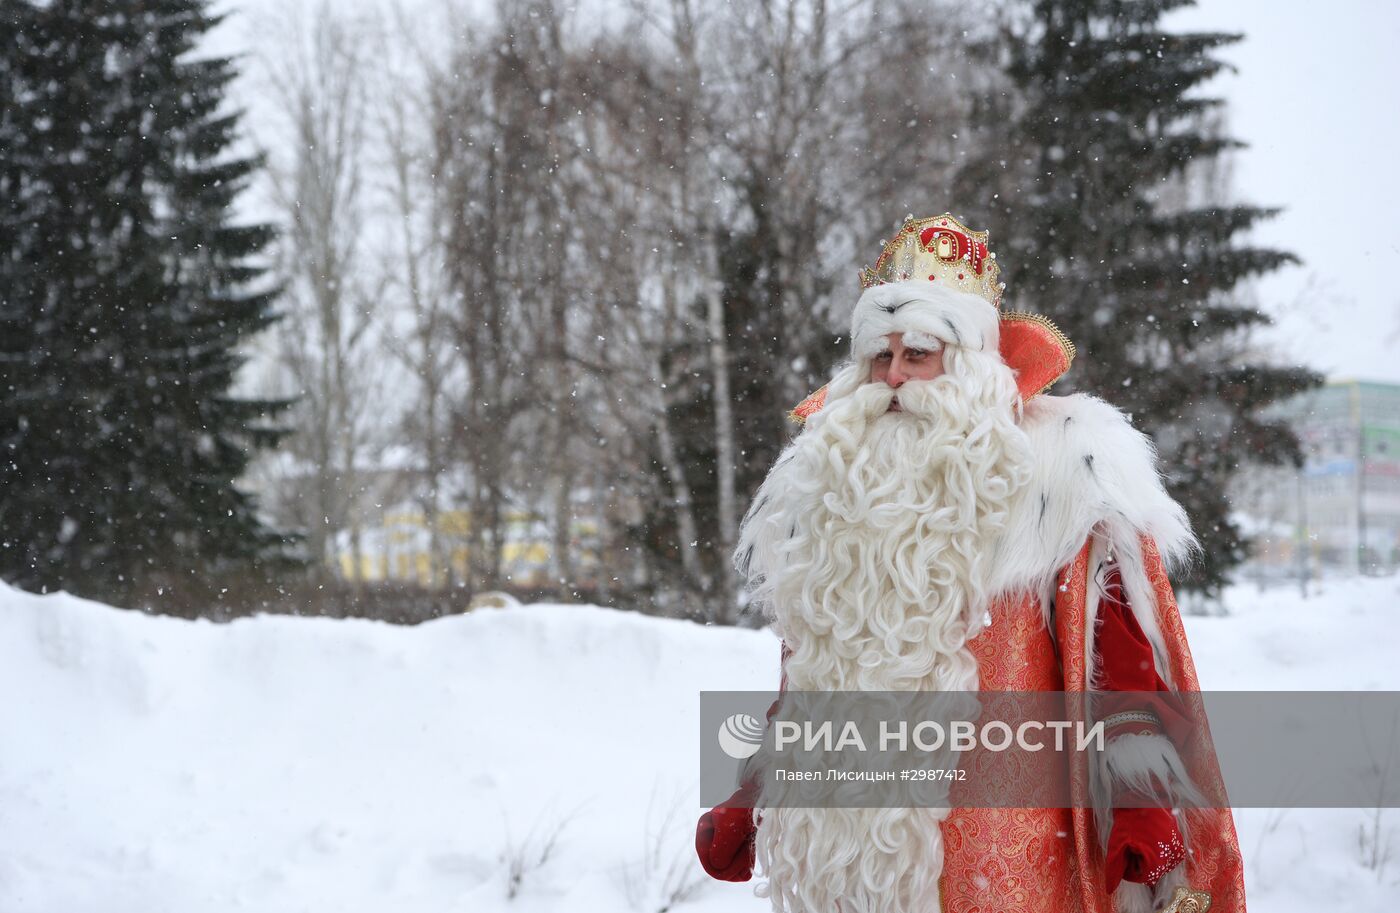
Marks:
<point>1316,99</point>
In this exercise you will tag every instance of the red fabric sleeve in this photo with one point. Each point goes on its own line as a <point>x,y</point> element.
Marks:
<point>1125,664</point>
<point>1144,843</point>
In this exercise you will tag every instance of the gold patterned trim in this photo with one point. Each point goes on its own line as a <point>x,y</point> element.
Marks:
<point>812,403</point>
<point>1185,900</point>
<point>1131,716</point>
<point>1064,342</point>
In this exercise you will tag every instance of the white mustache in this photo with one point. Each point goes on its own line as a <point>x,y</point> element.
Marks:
<point>923,398</point>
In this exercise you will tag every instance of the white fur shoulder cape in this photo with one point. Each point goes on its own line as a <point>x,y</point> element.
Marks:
<point>1094,475</point>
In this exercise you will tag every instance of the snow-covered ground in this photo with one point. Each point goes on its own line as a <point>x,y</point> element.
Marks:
<point>279,764</point>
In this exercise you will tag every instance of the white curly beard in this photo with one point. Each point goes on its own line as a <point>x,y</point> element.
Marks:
<point>867,547</point>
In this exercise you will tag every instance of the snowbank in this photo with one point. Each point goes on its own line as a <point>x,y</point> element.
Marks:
<point>151,764</point>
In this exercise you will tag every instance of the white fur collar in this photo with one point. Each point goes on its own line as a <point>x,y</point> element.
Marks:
<point>1093,471</point>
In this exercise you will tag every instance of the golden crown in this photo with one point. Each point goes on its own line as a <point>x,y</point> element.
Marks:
<point>938,249</point>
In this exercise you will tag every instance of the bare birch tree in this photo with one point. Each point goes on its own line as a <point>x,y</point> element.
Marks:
<point>325,349</point>
<point>415,279</point>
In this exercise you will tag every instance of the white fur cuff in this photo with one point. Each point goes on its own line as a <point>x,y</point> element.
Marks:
<point>1133,897</point>
<point>1145,763</point>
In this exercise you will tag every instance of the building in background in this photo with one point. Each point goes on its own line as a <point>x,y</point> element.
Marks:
<point>1339,514</point>
<point>398,546</point>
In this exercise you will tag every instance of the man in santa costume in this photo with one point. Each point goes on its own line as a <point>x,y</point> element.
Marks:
<point>941,523</point>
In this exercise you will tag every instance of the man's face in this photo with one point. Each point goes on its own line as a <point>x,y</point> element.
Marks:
<point>897,363</point>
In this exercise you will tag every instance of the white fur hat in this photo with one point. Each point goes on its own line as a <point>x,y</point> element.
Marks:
<point>922,310</point>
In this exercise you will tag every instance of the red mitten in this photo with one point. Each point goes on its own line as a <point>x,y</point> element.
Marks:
<point>1144,845</point>
<point>725,835</point>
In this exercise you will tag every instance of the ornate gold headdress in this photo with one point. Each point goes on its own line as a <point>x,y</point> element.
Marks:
<point>939,249</point>
<point>942,249</point>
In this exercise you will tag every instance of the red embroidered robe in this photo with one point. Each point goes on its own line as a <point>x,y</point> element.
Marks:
<point>1015,860</point>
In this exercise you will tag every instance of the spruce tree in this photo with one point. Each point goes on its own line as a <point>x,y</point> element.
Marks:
<point>1103,141</point>
<point>125,288</point>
